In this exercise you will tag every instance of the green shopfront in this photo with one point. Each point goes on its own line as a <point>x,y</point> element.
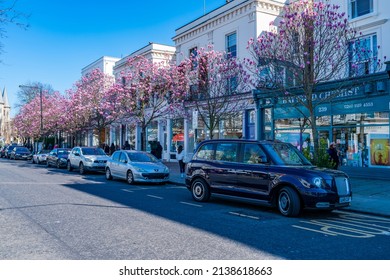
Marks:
<point>353,113</point>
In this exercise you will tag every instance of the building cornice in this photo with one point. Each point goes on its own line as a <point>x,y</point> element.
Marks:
<point>226,13</point>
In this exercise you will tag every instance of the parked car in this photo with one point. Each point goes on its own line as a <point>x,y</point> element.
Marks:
<point>136,166</point>
<point>87,159</point>
<point>20,153</point>
<point>2,151</point>
<point>40,157</point>
<point>58,157</point>
<point>273,172</point>
<point>9,149</point>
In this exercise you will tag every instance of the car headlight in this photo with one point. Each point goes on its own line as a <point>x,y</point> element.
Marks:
<point>138,169</point>
<point>88,160</point>
<point>63,159</point>
<point>317,181</point>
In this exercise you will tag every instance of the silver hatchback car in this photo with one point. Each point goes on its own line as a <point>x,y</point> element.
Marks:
<point>136,166</point>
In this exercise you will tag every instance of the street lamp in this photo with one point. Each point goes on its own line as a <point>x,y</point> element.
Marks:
<point>40,98</point>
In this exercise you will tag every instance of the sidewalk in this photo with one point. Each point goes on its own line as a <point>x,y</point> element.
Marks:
<point>370,187</point>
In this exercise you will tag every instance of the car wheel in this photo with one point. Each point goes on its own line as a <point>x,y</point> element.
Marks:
<point>200,190</point>
<point>58,164</point>
<point>69,166</point>
<point>38,161</point>
<point>81,168</point>
<point>108,174</point>
<point>289,203</point>
<point>129,177</point>
<point>47,163</point>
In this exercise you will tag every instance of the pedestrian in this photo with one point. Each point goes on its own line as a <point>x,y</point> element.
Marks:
<point>112,148</point>
<point>106,148</point>
<point>159,150</point>
<point>180,158</point>
<point>126,146</point>
<point>334,155</point>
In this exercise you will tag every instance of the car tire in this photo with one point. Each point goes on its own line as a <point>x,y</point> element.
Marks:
<point>69,166</point>
<point>129,177</point>
<point>289,203</point>
<point>108,174</point>
<point>58,164</point>
<point>47,163</point>
<point>200,190</point>
<point>38,161</point>
<point>81,168</point>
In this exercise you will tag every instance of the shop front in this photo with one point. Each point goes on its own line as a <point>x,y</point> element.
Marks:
<point>353,114</point>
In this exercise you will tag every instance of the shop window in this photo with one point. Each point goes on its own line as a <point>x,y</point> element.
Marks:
<point>177,134</point>
<point>359,8</point>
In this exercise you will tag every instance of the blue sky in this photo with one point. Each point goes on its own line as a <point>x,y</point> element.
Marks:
<point>65,36</point>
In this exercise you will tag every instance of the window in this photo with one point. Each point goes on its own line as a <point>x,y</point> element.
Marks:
<point>226,152</point>
<point>254,154</point>
<point>193,53</point>
<point>115,156</point>
<point>231,45</point>
<point>359,8</point>
<point>363,55</point>
<point>123,158</point>
<point>205,152</point>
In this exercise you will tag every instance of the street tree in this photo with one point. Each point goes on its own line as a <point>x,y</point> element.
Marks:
<point>28,91</point>
<point>92,104</point>
<point>219,86</point>
<point>149,91</point>
<point>313,43</point>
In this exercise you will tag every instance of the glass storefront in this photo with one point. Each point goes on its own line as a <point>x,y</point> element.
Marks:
<point>362,138</point>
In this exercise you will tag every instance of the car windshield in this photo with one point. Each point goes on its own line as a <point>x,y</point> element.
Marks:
<point>44,152</point>
<point>63,152</point>
<point>286,154</point>
<point>93,152</point>
<point>22,149</point>
<point>141,157</point>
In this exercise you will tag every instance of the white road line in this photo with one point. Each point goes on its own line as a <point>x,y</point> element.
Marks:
<point>158,197</point>
<point>243,215</point>
<point>125,190</point>
<point>191,204</point>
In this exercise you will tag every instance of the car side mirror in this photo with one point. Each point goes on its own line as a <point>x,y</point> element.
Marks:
<point>77,154</point>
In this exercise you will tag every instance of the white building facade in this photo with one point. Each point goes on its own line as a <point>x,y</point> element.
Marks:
<point>128,131</point>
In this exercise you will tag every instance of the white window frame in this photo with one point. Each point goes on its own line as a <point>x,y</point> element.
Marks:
<point>353,8</point>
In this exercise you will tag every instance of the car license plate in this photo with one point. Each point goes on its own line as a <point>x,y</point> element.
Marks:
<point>345,199</point>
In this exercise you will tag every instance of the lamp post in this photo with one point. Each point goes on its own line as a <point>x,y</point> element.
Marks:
<point>40,103</point>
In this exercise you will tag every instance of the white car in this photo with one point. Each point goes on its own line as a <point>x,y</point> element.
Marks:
<point>87,159</point>
<point>136,166</point>
<point>40,156</point>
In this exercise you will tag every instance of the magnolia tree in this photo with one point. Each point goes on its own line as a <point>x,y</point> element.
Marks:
<point>42,116</point>
<point>149,91</point>
<point>217,83</point>
<point>313,44</point>
<point>93,104</point>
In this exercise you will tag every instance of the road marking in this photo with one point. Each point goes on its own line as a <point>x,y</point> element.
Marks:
<point>126,190</point>
<point>191,204</point>
<point>350,225</point>
<point>154,196</point>
<point>243,215</point>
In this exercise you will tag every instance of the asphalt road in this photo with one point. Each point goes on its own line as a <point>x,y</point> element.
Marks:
<point>46,213</point>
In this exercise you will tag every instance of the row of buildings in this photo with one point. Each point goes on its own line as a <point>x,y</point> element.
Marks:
<point>357,120</point>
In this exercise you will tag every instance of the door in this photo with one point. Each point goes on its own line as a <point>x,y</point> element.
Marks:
<point>252,173</point>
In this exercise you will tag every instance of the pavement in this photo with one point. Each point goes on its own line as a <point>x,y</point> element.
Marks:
<point>370,188</point>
